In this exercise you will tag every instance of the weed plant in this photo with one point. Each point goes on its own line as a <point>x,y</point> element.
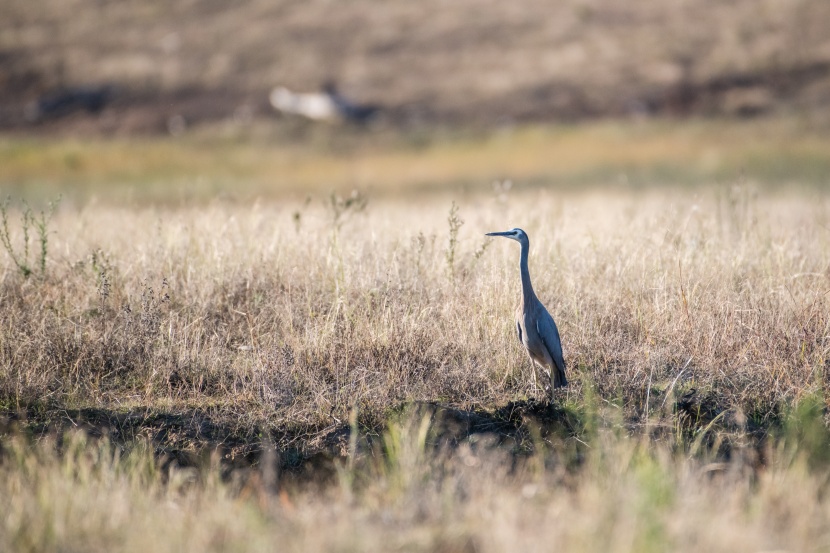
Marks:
<point>19,250</point>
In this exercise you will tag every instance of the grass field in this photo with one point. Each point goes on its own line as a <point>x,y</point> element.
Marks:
<point>278,366</point>
<point>239,164</point>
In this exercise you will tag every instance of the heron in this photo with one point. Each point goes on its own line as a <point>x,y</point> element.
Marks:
<point>536,329</point>
<point>328,105</point>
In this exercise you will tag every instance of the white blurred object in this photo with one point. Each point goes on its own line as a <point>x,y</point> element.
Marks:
<point>328,105</point>
<point>318,106</point>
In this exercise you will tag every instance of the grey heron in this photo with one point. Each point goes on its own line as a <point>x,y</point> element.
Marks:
<point>536,329</point>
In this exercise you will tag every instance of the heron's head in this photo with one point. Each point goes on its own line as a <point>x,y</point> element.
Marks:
<point>516,234</point>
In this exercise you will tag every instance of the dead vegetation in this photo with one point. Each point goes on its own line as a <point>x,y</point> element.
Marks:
<point>284,318</point>
<point>234,376</point>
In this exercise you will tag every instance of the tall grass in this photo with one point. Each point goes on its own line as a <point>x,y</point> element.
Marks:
<point>416,493</point>
<point>286,337</point>
<point>235,311</point>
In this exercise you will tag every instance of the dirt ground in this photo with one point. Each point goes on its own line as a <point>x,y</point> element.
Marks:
<point>460,63</point>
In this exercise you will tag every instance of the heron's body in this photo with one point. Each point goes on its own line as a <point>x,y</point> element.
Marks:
<point>328,105</point>
<point>536,329</point>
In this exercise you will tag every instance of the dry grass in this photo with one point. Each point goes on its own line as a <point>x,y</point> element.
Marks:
<point>626,496</point>
<point>691,319</point>
<point>289,314</point>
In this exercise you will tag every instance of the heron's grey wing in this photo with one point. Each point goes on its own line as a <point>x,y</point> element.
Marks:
<point>550,337</point>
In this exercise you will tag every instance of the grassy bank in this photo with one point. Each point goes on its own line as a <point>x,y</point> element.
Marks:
<point>266,163</point>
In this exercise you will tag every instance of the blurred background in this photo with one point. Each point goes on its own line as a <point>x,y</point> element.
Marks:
<point>407,73</point>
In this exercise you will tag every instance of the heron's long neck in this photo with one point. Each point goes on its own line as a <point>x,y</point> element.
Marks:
<point>527,288</point>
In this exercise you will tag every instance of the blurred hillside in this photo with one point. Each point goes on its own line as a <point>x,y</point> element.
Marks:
<point>463,62</point>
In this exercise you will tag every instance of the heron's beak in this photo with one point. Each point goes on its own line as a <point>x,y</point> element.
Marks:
<point>497,233</point>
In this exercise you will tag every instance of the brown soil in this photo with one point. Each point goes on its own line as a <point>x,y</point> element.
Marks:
<point>462,63</point>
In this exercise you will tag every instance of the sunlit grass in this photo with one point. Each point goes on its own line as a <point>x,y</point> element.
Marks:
<point>289,313</point>
<point>203,165</point>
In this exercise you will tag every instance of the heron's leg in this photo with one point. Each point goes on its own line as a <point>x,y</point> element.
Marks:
<point>547,383</point>
<point>543,381</point>
<point>547,380</point>
<point>533,368</point>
